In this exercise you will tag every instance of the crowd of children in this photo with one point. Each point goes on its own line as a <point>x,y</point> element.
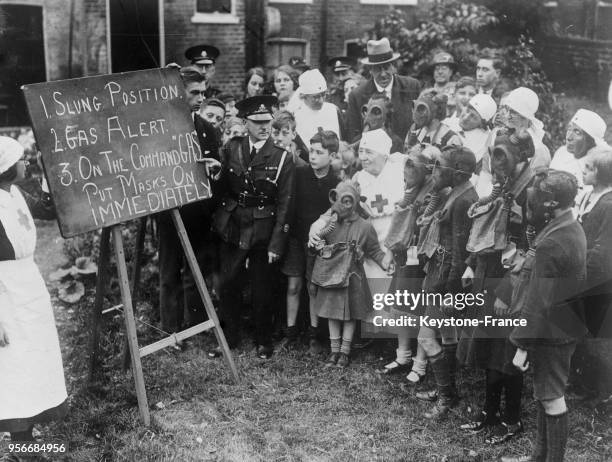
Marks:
<point>386,187</point>
<point>454,196</point>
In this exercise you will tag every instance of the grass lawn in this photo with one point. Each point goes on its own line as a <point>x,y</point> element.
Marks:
<point>287,409</point>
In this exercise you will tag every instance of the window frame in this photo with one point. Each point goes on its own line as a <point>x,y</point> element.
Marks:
<point>216,17</point>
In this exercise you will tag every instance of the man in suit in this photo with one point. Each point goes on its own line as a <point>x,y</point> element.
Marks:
<point>400,90</point>
<point>488,75</point>
<point>178,291</point>
<point>256,184</point>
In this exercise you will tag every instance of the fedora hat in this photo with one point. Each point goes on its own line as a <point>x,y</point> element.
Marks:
<point>379,52</point>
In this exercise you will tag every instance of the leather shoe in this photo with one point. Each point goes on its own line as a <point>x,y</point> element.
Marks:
<point>427,395</point>
<point>264,352</point>
<point>394,368</point>
<point>517,459</point>
<point>216,352</point>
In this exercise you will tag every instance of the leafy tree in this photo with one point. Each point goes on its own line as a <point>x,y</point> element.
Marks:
<point>464,30</point>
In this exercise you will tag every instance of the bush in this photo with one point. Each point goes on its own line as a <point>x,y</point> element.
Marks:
<point>464,30</point>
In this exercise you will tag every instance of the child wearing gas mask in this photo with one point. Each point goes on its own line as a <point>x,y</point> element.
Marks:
<point>377,114</point>
<point>428,113</point>
<point>497,238</point>
<point>447,234</point>
<point>341,239</point>
<point>556,272</point>
<point>402,241</point>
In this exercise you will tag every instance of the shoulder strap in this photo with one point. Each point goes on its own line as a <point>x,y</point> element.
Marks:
<point>280,166</point>
<point>241,158</point>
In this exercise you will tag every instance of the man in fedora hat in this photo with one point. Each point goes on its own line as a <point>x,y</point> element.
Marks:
<point>400,90</point>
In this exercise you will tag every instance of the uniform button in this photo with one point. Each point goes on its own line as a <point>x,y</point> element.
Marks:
<point>249,169</point>
<point>231,170</point>
<point>271,213</point>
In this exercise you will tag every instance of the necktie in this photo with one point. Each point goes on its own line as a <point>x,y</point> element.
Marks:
<point>253,153</point>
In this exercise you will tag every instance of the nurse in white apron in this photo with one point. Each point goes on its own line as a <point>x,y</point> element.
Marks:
<point>381,184</point>
<point>32,387</point>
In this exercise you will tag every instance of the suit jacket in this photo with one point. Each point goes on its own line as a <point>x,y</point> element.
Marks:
<point>404,91</point>
<point>557,276</point>
<point>248,227</point>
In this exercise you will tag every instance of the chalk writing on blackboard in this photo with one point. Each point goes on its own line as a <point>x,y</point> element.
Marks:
<point>116,147</point>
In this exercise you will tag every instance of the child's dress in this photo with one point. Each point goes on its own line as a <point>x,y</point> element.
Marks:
<point>354,300</point>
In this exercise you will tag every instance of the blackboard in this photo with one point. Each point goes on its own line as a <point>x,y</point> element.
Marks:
<point>116,147</point>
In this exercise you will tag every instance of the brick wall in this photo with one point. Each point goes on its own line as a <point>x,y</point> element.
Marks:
<point>181,33</point>
<point>577,64</point>
<point>94,38</point>
<point>346,20</point>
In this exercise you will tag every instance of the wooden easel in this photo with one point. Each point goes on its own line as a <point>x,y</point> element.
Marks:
<point>136,352</point>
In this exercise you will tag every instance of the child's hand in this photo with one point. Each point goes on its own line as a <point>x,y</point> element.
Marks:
<point>520,360</point>
<point>4,340</point>
<point>391,269</point>
<point>387,262</point>
<point>500,308</point>
<point>314,241</point>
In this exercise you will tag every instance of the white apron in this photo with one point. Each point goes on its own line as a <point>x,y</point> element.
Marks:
<point>382,192</point>
<point>307,121</point>
<point>31,370</point>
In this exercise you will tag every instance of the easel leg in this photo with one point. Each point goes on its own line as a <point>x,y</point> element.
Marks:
<point>140,237</point>
<point>130,326</point>
<point>199,279</point>
<point>96,313</point>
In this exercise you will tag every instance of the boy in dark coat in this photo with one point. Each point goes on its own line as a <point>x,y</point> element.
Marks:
<point>554,320</point>
<point>453,168</point>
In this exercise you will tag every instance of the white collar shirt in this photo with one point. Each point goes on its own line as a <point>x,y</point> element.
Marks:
<point>386,90</point>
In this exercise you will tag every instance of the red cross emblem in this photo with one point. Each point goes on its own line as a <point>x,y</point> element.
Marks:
<point>379,203</point>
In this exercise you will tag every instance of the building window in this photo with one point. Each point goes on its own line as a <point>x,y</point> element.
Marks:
<point>215,12</point>
<point>603,18</point>
<point>353,48</point>
<point>289,1</point>
<point>389,2</point>
<point>279,50</point>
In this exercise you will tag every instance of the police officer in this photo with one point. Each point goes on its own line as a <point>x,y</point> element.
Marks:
<point>204,58</point>
<point>342,68</point>
<point>256,184</point>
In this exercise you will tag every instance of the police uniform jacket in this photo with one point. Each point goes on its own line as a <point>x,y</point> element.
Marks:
<point>255,195</point>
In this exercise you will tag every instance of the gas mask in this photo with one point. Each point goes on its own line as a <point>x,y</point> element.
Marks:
<point>375,113</point>
<point>344,199</point>
<point>507,153</point>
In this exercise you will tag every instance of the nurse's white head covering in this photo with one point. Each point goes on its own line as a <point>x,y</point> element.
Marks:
<point>10,152</point>
<point>592,124</point>
<point>377,141</point>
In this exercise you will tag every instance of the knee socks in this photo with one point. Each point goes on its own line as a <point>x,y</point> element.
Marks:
<point>556,436</point>
<point>539,452</point>
<point>335,344</point>
<point>513,388</point>
<point>493,393</point>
